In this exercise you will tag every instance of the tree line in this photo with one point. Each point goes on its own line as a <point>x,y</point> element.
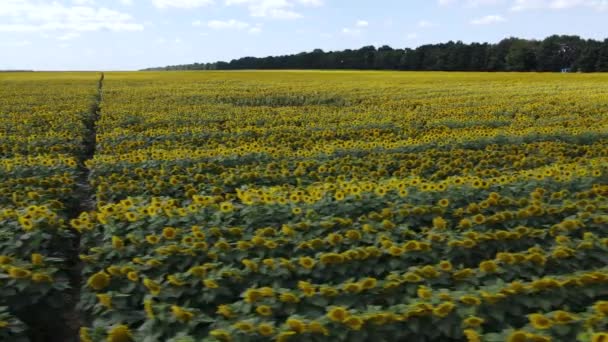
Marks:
<point>554,53</point>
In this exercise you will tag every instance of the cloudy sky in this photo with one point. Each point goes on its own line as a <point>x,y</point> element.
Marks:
<point>133,34</point>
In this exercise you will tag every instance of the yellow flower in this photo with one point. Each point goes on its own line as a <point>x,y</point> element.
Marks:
<point>181,314</point>
<point>539,321</point>
<point>210,284</point>
<point>352,287</point>
<point>169,233</point>
<point>440,223</point>
<point>132,276</point>
<point>473,321</point>
<point>18,273</point>
<point>117,243</point>
<point>563,317</point>
<point>601,307</point>
<point>152,286</point>
<point>517,336</point>
<point>120,333</point>
<point>369,283</point>
<point>221,335</point>
<point>470,300</point>
<point>488,266</point>
<point>148,309</point>
<point>99,281</point>
<point>472,335</point>
<point>296,325</point>
<point>307,262</point>
<point>83,333</point>
<point>37,259</point>
<point>105,300</point>
<point>265,329</point>
<point>224,310</point>
<point>264,310</point>
<point>337,314</point>
<point>463,273</point>
<point>353,322</point>
<point>244,326</point>
<point>445,265</point>
<point>317,328</point>
<point>285,336</point>
<point>599,337</point>
<point>288,298</point>
<point>424,292</point>
<point>412,277</point>
<point>42,278</point>
<point>443,309</point>
<point>251,295</point>
<point>152,239</point>
<point>226,207</point>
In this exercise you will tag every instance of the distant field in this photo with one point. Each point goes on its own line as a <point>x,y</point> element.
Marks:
<point>303,206</point>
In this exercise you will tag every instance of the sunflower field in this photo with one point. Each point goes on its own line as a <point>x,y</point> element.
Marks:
<point>306,206</point>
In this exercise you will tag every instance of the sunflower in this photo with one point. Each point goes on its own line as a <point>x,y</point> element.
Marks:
<point>105,300</point>
<point>424,292</point>
<point>601,307</point>
<point>599,337</point>
<point>317,328</point>
<point>264,310</point>
<point>41,278</point>
<point>563,317</point>
<point>265,329</point>
<point>353,322</point>
<point>296,325</point>
<point>120,333</point>
<point>148,309</point>
<point>152,239</point>
<point>445,265</point>
<point>285,336</point>
<point>83,333</point>
<point>181,314</point>
<point>152,286</point>
<point>307,262</point>
<point>37,259</point>
<point>369,283</point>
<point>540,322</point>
<point>169,233</point>
<point>472,335</point>
<point>488,266</point>
<point>444,309</point>
<point>337,314</point>
<point>221,335</point>
<point>470,300</point>
<point>473,321</point>
<point>99,281</point>
<point>226,207</point>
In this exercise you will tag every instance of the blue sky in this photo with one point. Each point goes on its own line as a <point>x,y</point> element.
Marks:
<point>134,34</point>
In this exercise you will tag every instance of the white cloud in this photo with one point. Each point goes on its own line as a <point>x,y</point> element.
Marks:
<point>471,3</point>
<point>277,9</point>
<point>126,2</point>
<point>68,36</point>
<point>197,23</point>
<point>411,36</point>
<point>185,4</point>
<point>520,5</point>
<point>20,43</point>
<point>351,31</point>
<point>83,2</point>
<point>425,24</point>
<point>488,19</point>
<point>27,16</point>
<point>362,23</point>
<point>231,24</point>
<point>255,30</point>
